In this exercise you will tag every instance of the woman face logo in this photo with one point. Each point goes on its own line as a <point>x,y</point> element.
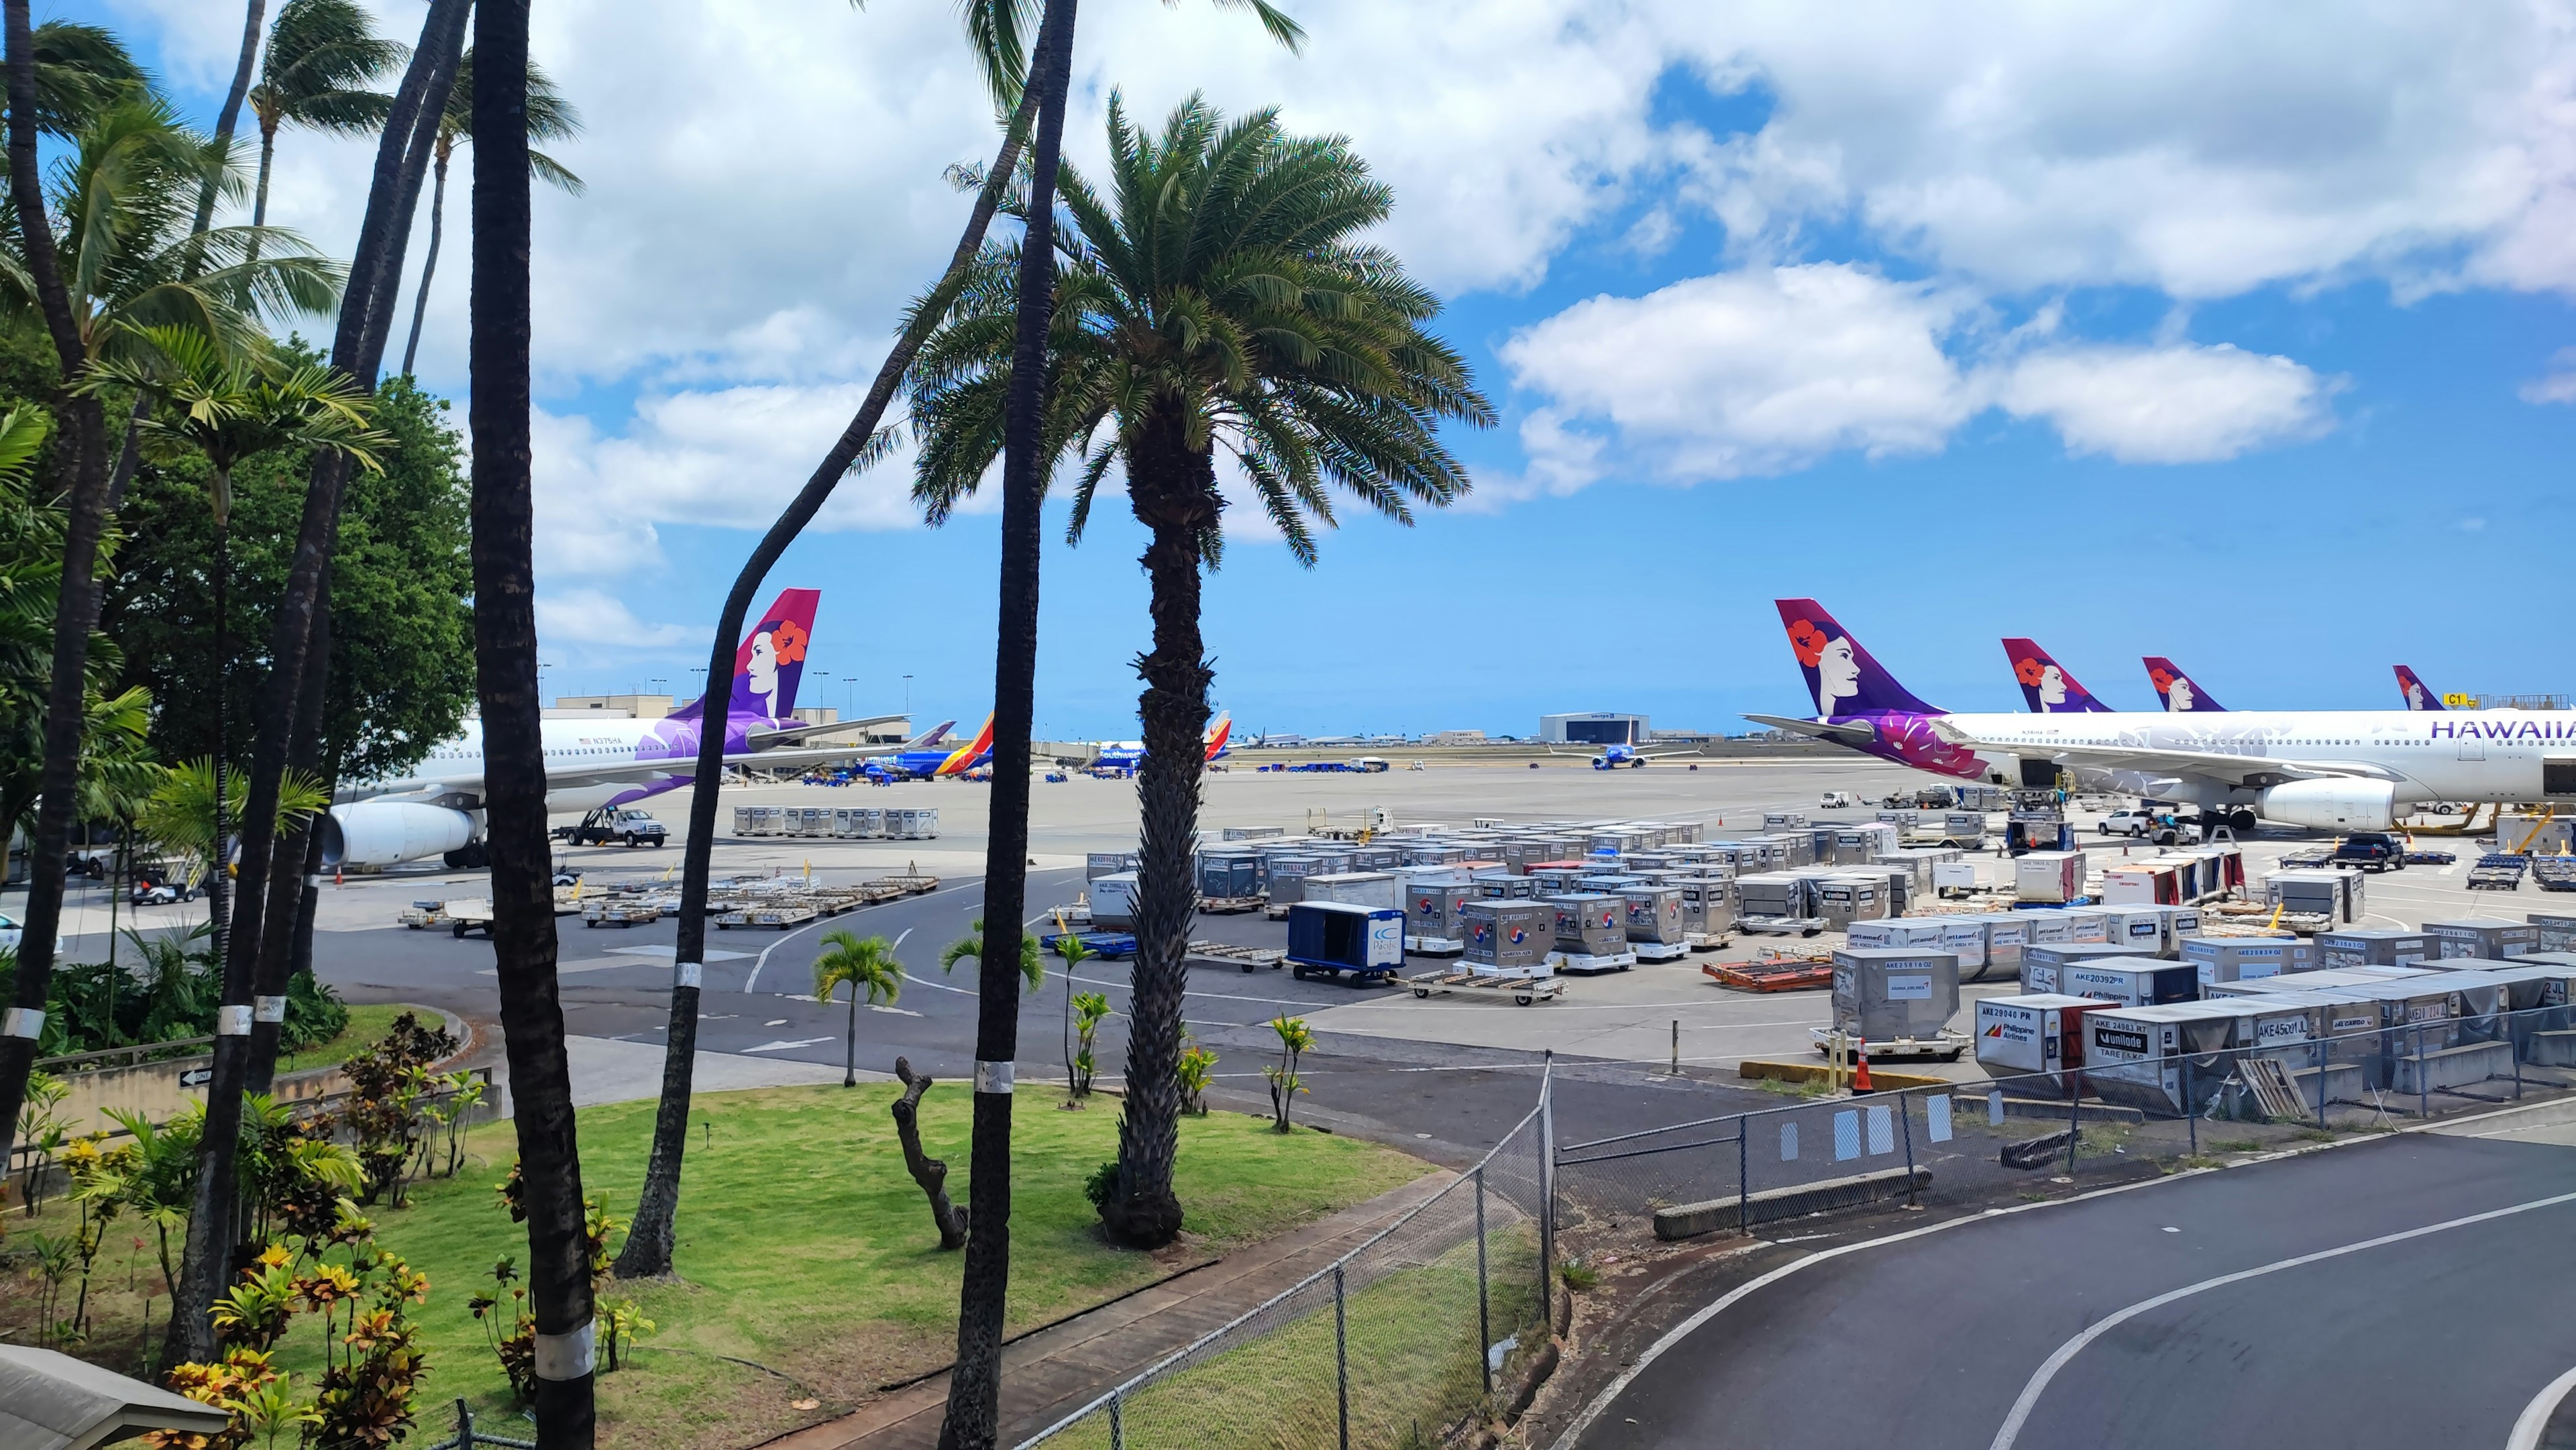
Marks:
<point>2180,695</point>
<point>2052,687</point>
<point>762,672</point>
<point>1837,674</point>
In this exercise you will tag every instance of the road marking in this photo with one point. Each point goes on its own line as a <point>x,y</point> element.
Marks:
<point>787,1046</point>
<point>2533,1423</point>
<point>748,983</point>
<point>2066,1352</point>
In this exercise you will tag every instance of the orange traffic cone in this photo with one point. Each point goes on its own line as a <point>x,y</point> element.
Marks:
<point>1860,1075</point>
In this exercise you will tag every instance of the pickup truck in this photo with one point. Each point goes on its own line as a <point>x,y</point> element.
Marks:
<point>608,825</point>
<point>2371,851</point>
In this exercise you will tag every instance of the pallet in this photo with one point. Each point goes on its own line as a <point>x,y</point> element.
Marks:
<point>1248,958</point>
<point>2554,873</point>
<point>1770,976</point>
<point>1947,1044</point>
<point>1228,905</point>
<point>1708,941</point>
<point>1434,946</point>
<point>1577,962</point>
<point>1658,951</point>
<point>909,884</point>
<point>2269,1080</point>
<point>2498,873</point>
<point>1523,990</point>
<point>1780,925</point>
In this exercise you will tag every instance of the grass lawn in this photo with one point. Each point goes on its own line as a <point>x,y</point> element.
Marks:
<point>367,1026</point>
<point>805,1250</point>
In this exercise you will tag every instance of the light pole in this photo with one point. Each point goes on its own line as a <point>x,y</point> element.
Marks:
<point>907,702</point>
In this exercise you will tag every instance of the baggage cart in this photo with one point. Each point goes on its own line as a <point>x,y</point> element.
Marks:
<point>1336,939</point>
<point>620,913</point>
<point>1523,990</point>
<point>1106,945</point>
<point>1247,958</point>
<point>2498,872</point>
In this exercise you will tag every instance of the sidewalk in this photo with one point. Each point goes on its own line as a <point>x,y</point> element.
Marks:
<point>1056,1371</point>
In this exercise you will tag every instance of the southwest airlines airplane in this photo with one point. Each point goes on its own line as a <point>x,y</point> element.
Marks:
<point>2326,769</point>
<point>437,810</point>
<point>1129,754</point>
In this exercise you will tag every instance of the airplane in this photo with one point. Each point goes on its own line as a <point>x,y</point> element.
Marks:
<point>437,808</point>
<point>2179,692</point>
<point>2417,697</point>
<point>1614,756</point>
<point>2045,685</point>
<point>916,759</point>
<point>1127,755</point>
<point>2336,770</point>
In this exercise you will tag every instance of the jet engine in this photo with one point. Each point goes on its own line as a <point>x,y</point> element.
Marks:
<point>2331,805</point>
<point>386,833</point>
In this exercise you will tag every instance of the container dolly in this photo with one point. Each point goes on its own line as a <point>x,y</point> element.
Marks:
<point>1523,990</point>
<point>1106,945</point>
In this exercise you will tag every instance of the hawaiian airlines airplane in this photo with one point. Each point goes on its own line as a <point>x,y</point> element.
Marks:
<point>2179,692</point>
<point>2326,769</point>
<point>437,809</point>
<point>2417,697</point>
<point>2045,685</point>
<point>1129,754</point>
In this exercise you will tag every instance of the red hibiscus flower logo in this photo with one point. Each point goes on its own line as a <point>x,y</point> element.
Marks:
<point>2164,681</point>
<point>1808,641</point>
<point>2030,672</point>
<point>788,638</point>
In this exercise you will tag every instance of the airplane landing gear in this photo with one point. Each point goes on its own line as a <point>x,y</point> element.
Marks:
<point>469,857</point>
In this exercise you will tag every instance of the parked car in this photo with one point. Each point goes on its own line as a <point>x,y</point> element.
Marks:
<point>11,933</point>
<point>2371,851</point>
<point>2129,822</point>
<point>625,825</point>
<point>1837,800</point>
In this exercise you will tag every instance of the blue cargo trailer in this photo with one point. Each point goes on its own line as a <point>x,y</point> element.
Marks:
<point>1333,939</point>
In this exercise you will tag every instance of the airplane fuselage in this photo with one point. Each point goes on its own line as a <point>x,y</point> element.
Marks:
<point>454,767</point>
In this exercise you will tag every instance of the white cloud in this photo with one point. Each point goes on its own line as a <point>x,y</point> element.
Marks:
<point>2558,385</point>
<point>2166,404</point>
<point>590,622</point>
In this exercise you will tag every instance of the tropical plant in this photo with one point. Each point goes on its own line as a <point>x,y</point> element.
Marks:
<point>864,966</point>
<point>970,948</point>
<point>1075,953</point>
<point>1090,1009</point>
<point>80,69</point>
<point>513,1340</point>
<point>550,118</point>
<point>622,1322</point>
<point>1197,1067</point>
<point>41,1132</point>
<point>180,815</point>
<point>1285,1083</point>
<point>1216,297</point>
<point>322,57</point>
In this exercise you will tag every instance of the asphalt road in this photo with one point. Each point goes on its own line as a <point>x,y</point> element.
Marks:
<point>2401,1293</point>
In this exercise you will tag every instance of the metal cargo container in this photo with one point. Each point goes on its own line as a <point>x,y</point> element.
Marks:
<point>1435,910</point>
<point>1338,937</point>
<point>1501,884</point>
<point>1228,877</point>
<point>1107,863</point>
<point>2044,964</point>
<point>1287,878</point>
<point>2142,927</point>
<point>2049,876</point>
<point>1917,931</point>
<point>2373,948</point>
<point>2316,981</point>
<point>2130,981</point>
<point>1253,833</point>
<point>1590,924</point>
<point>2492,937</point>
<point>2087,924</point>
<point>1113,901</point>
<point>1654,914</point>
<point>1708,905</point>
<point>2140,883</point>
<point>1842,900</point>
<point>1964,826</point>
<point>2180,922</point>
<point>2007,938</point>
<point>913,825</point>
<point>2168,1060</point>
<point>2042,1032</point>
<point>2335,895</point>
<point>2491,991</point>
<point>1507,938</point>
<point>1784,820</point>
<point>2216,959</point>
<point>862,822</point>
<point>2556,930</point>
<point>1771,893</point>
<point>1887,994</point>
<point>1376,890</point>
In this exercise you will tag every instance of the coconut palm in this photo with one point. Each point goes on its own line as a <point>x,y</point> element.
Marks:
<point>864,966</point>
<point>323,55</point>
<point>228,405</point>
<point>550,118</point>
<point>79,69</point>
<point>1214,298</point>
<point>970,948</point>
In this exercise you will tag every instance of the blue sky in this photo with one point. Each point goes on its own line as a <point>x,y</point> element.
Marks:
<point>2176,331</point>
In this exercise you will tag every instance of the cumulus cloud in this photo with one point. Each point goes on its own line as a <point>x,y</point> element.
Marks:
<point>2558,385</point>
<point>2166,404</point>
<point>590,622</point>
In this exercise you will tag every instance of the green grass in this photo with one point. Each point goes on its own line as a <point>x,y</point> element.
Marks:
<point>367,1025</point>
<point>805,1249</point>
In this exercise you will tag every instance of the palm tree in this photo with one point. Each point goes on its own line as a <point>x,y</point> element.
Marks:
<point>550,118</point>
<point>227,406</point>
<point>1214,298</point>
<point>863,966</point>
<point>322,57</point>
<point>79,69</point>
<point>970,948</point>
<point>505,653</point>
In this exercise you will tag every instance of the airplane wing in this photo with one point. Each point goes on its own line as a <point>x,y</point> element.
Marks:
<point>2233,768</point>
<point>769,739</point>
<point>1840,734</point>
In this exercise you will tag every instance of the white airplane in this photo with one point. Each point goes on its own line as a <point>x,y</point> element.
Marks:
<point>437,809</point>
<point>2338,770</point>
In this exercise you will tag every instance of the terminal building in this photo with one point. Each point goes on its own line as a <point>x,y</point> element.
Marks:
<point>1594,727</point>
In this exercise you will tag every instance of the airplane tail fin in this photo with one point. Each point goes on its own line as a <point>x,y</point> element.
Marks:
<point>963,758</point>
<point>1218,734</point>
<point>930,737</point>
<point>2046,686</point>
<point>1842,678</point>
<point>2178,691</point>
<point>2417,696</point>
<point>770,660</point>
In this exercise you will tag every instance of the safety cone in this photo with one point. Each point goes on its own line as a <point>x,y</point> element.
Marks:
<point>1860,1074</point>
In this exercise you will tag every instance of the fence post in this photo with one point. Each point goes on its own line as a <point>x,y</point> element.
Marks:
<point>1117,1424</point>
<point>1484,1302</point>
<point>1905,1121</point>
<point>1547,1193</point>
<point>1677,1047</point>
<point>1743,1173</point>
<point>1341,1359</point>
<point>2423,1087</point>
<point>2190,1108</point>
<point>464,1425</point>
<point>2074,1116</point>
<point>2321,1083</point>
<point>2513,1049</point>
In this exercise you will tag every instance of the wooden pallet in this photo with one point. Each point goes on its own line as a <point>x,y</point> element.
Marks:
<point>1228,905</point>
<point>1248,958</point>
<point>2268,1078</point>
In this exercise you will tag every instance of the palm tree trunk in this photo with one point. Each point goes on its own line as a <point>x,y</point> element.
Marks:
<point>505,641</point>
<point>301,848</point>
<point>850,1043</point>
<point>429,263</point>
<point>207,1262</point>
<point>259,198</point>
<point>84,462</point>
<point>230,115</point>
<point>1173,490</point>
<point>974,1387</point>
<point>647,1253</point>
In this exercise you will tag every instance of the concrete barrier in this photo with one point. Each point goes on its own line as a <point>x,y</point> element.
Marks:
<point>2452,1067</point>
<point>1690,1220</point>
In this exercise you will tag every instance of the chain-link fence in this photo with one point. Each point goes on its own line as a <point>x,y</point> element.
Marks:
<point>1394,1344</point>
<point>2262,1084</point>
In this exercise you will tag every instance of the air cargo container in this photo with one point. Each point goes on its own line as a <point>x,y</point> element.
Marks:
<point>1336,938</point>
<point>1842,900</point>
<point>1435,913</point>
<point>1784,820</point>
<point>1376,890</point>
<point>2141,883</point>
<point>1909,931</point>
<point>1654,919</point>
<point>2555,930</point>
<point>1591,931</point>
<point>1897,997</point>
<point>2179,922</point>
<point>1508,938</point>
<point>1771,893</point>
<point>1230,877</point>
<point>858,822</point>
<point>2052,877</point>
<point>1097,864</point>
<point>1285,878</point>
<point>1502,884</point>
<point>2360,947</point>
<point>2142,927</point>
<point>2492,993</point>
<point>2039,1033</point>
<point>2078,927</point>
<point>2334,979</point>
<point>2334,895</point>
<point>2130,981</point>
<point>1708,908</point>
<point>2044,964</point>
<point>2492,937</point>
<point>1252,833</point>
<point>1113,902</point>
<point>2237,958</point>
<point>2167,1060</point>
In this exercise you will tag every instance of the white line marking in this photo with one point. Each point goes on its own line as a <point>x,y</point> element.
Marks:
<point>2534,1419</point>
<point>786,1046</point>
<point>2066,1352</point>
<point>752,981</point>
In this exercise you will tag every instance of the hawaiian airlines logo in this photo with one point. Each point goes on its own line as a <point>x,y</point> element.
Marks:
<point>789,639</point>
<point>2030,672</point>
<point>2164,680</point>
<point>1808,641</point>
<point>2526,729</point>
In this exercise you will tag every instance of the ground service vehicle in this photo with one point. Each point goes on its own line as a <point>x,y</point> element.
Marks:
<point>2131,822</point>
<point>611,825</point>
<point>2371,851</point>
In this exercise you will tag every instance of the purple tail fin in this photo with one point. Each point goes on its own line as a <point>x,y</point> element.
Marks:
<point>769,661</point>
<point>1842,679</point>
<point>2417,696</point>
<point>2178,691</point>
<point>2046,686</point>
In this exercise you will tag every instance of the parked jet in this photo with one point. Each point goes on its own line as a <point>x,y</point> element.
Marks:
<point>2045,685</point>
<point>2341,770</point>
<point>2417,697</point>
<point>2180,693</point>
<point>1127,755</point>
<point>1614,756</point>
<point>917,758</point>
<point>437,809</point>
